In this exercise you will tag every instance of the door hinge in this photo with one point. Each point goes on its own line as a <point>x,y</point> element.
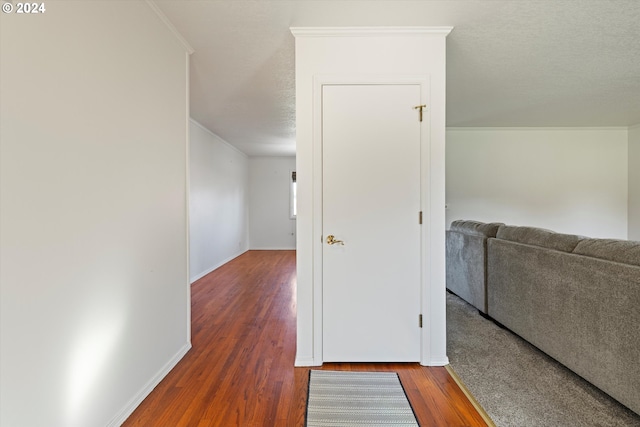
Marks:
<point>420,320</point>
<point>420,217</point>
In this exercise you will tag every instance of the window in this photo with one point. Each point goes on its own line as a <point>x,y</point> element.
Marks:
<point>293,211</point>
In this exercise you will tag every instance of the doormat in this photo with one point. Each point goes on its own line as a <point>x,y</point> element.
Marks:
<point>340,398</point>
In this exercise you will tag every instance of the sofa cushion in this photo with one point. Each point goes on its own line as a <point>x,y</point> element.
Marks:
<point>476,228</point>
<point>539,237</point>
<point>623,251</point>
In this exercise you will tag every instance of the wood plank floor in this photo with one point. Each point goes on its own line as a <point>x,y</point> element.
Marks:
<point>240,370</point>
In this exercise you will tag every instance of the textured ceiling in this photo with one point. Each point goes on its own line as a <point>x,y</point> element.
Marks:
<point>509,63</point>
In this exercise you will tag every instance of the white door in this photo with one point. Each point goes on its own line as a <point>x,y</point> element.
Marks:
<point>371,202</point>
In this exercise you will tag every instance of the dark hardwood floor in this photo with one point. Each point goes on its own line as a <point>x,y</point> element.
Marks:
<point>240,370</point>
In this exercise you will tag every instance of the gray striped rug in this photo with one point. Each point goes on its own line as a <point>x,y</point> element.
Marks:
<point>339,398</point>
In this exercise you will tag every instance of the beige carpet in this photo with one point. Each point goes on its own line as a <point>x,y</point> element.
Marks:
<point>517,384</point>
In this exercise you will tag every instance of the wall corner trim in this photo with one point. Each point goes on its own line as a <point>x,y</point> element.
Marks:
<point>369,31</point>
<point>170,26</point>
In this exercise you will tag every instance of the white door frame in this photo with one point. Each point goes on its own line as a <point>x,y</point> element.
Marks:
<point>426,283</point>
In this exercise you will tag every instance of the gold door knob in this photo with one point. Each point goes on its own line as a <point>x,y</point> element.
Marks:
<point>331,239</point>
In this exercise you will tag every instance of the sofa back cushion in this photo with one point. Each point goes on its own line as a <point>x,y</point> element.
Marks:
<point>623,251</point>
<point>476,228</point>
<point>539,237</point>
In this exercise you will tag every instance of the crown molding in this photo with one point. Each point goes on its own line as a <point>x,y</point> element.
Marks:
<point>534,128</point>
<point>369,31</point>
<point>170,26</point>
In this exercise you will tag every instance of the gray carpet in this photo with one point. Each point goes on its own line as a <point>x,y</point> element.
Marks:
<point>363,399</point>
<point>517,384</point>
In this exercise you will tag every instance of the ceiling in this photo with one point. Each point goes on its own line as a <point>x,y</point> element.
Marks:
<point>510,63</point>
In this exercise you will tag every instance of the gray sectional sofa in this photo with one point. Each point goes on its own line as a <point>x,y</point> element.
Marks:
<point>575,298</point>
<point>467,260</point>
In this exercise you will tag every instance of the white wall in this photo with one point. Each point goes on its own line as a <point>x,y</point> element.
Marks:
<point>367,55</point>
<point>566,180</point>
<point>218,201</point>
<point>270,225</point>
<point>93,228</point>
<point>634,183</point>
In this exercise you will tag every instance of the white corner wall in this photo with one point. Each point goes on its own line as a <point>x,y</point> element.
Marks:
<point>634,183</point>
<point>570,180</point>
<point>218,201</point>
<point>270,225</point>
<point>93,212</point>
<point>368,52</point>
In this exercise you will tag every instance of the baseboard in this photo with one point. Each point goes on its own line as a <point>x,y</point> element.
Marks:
<point>273,249</point>
<point>300,363</point>
<point>487,419</point>
<point>215,267</point>
<point>136,400</point>
<point>436,362</point>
